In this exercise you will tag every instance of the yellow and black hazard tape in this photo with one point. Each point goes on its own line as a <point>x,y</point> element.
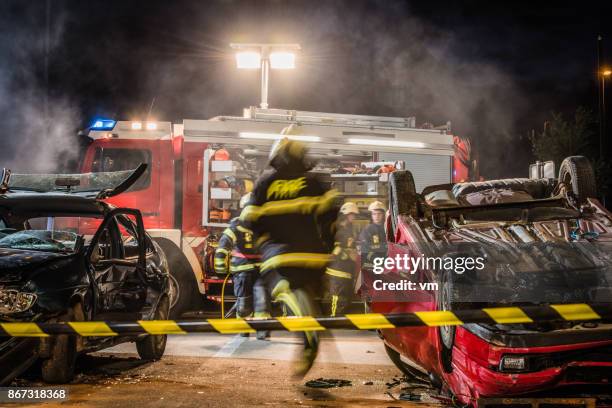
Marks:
<point>577,312</point>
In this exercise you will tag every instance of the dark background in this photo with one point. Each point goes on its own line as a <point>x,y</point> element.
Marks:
<point>495,70</point>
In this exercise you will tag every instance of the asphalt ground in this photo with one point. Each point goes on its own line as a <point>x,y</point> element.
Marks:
<point>211,370</point>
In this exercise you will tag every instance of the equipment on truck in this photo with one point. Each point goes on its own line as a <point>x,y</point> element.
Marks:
<point>199,169</point>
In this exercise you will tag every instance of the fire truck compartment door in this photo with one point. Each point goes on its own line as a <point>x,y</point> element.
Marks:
<point>427,169</point>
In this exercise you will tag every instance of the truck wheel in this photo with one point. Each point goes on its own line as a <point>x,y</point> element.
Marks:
<point>59,367</point>
<point>402,195</point>
<point>184,293</point>
<point>578,175</point>
<point>152,347</point>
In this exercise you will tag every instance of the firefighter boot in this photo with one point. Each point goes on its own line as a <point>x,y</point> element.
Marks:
<point>263,334</point>
<point>298,303</point>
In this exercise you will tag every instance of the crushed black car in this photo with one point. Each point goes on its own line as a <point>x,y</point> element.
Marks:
<point>66,255</point>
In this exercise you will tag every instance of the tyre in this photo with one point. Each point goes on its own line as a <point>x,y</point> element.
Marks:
<point>59,367</point>
<point>578,175</point>
<point>152,347</point>
<point>409,371</point>
<point>184,293</point>
<point>446,334</point>
<point>403,197</point>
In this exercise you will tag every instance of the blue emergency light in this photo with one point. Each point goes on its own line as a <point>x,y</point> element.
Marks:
<point>103,124</point>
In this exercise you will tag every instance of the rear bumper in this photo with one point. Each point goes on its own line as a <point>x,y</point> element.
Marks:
<point>16,355</point>
<point>477,363</point>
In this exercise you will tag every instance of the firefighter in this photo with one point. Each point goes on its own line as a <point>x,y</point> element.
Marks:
<point>236,255</point>
<point>339,274</point>
<point>373,240</point>
<point>293,214</point>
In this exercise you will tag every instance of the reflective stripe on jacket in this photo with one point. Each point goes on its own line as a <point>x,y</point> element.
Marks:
<point>236,250</point>
<point>294,214</point>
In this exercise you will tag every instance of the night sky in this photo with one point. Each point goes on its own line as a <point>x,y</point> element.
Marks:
<point>495,70</point>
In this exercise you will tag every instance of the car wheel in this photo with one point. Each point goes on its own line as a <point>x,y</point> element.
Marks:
<point>578,175</point>
<point>59,367</point>
<point>184,293</point>
<point>446,334</point>
<point>152,347</point>
<point>411,372</point>
<point>402,195</point>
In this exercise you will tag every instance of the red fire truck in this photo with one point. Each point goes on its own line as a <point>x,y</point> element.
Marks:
<point>198,169</point>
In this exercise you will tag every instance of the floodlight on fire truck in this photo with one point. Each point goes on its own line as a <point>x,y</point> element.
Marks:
<point>282,60</point>
<point>389,143</point>
<point>274,136</point>
<point>265,56</point>
<point>248,60</point>
<point>103,124</point>
<point>136,125</point>
<point>151,125</point>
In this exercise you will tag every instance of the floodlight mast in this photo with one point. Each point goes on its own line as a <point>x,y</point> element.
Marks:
<point>264,51</point>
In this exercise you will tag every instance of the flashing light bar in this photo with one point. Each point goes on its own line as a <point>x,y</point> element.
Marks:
<point>103,124</point>
<point>391,143</point>
<point>273,136</point>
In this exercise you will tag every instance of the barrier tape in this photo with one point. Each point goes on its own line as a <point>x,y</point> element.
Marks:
<point>500,315</point>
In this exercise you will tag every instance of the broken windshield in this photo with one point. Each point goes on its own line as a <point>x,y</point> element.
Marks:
<point>85,182</point>
<point>99,185</point>
<point>49,234</point>
<point>40,240</point>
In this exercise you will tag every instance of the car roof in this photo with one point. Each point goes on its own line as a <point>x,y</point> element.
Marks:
<point>21,203</point>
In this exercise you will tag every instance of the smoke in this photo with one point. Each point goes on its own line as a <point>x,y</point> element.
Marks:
<point>38,123</point>
<point>366,57</point>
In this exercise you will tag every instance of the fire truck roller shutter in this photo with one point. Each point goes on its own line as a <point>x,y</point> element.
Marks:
<point>186,295</point>
<point>426,169</point>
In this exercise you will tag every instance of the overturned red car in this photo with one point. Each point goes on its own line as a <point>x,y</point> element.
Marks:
<point>540,241</point>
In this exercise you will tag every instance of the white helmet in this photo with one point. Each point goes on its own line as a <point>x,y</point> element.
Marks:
<point>349,208</point>
<point>376,206</point>
<point>244,200</point>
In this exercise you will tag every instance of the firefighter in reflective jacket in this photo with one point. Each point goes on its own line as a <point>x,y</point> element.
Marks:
<point>293,214</point>
<point>373,239</point>
<point>236,254</point>
<point>339,274</point>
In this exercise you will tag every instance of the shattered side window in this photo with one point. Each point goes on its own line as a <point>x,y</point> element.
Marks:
<point>110,160</point>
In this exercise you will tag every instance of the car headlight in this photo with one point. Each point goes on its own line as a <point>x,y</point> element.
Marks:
<point>14,301</point>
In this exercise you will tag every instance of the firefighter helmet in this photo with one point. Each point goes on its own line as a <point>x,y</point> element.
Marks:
<point>349,208</point>
<point>377,206</point>
<point>244,200</point>
<point>286,152</point>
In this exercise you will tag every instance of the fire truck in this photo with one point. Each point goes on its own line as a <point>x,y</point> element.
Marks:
<point>198,170</point>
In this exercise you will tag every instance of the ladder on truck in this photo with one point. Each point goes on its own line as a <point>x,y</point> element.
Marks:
<point>284,115</point>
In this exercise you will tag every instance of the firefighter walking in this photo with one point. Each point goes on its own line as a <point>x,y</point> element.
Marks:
<point>293,214</point>
<point>339,275</point>
<point>236,254</point>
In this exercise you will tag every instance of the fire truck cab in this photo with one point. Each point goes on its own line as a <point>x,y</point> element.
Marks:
<point>189,191</point>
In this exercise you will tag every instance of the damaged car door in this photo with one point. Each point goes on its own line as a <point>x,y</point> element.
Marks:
<point>118,268</point>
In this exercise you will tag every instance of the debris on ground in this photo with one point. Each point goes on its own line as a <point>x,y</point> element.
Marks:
<point>328,383</point>
<point>409,396</point>
<point>368,383</point>
<point>415,389</point>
